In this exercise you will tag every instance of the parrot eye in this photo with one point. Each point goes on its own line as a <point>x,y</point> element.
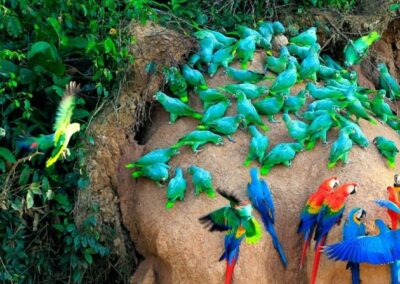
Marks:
<point>352,189</point>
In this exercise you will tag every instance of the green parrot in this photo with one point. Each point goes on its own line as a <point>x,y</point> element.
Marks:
<point>63,128</point>
<point>394,123</point>
<point>210,97</point>
<point>250,90</point>
<point>176,83</point>
<point>198,138</point>
<point>331,63</point>
<point>206,48</point>
<point>310,64</point>
<point>355,51</point>
<point>162,155</point>
<point>310,115</point>
<point>266,31</point>
<point>320,93</point>
<point>226,125</point>
<point>245,75</point>
<point>257,147</point>
<point>245,50</point>
<point>379,107</point>
<point>306,38</point>
<point>351,77</point>
<point>286,79</point>
<point>299,51</point>
<point>221,38</point>
<point>282,153</point>
<point>202,181</point>
<point>326,73</point>
<point>358,136</point>
<point>194,60</point>
<point>326,104</point>
<point>194,77</point>
<point>340,149</point>
<point>244,32</point>
<point>270,106</point>
<point>157,172</point>
<point>319,128</point>
<point>387,148</point>
<point>222,57</point>
<point>298,130</point>
<point>356,108</point>
<point>387,82</point>
<point>40,143</point>
<point>295,103</point>
<point>278,64</point>
<point>266,28</point>
<point>176,188</point>
<point>215,111</point>
<point>246,108</point>
<point>175,107</point>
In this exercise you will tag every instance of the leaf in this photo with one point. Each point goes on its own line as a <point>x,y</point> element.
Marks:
<point>38,47</point>
<point>26,76</point>
<point>56,26</point>
<point>80,113</point>
<point>109,46</point>
<point>29,199</point>
<point>89,258</point>
<point>24,176</point>
<point>13,25</point>
<point>7,155</point>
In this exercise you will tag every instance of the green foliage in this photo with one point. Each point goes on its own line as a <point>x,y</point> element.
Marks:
<point>45,44</point>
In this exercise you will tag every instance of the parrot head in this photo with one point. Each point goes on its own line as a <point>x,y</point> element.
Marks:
<point>244,209</point>
<point>382,68</point>
<point>391,191</point>
<point>381,93</point>
<point>159,96</point>
<point>278,27</point>
<point>254,173</point>
<point>353,75</point>
<point>358,215</point>
<point>396,180</point>
<point>329,184</point>
<point>336,75</point>
<point>240,118</point>
<point>347,188</point>
<point>381,226</point>
<point>348,129</point>
<point>286,117</point>
<point>377,140</point>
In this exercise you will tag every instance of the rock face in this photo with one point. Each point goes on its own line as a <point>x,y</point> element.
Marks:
<point>187,253</point>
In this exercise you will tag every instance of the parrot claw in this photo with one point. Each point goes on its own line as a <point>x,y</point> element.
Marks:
<point>197,151</point>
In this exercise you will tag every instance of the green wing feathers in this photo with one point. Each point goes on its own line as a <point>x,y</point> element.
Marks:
<point>253,231</point>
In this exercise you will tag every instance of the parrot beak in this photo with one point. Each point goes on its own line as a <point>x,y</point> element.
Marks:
<point>396,180</point>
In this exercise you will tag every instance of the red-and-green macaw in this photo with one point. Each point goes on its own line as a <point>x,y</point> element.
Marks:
<point>330,214</point>
<point>308,217</point>
<point>238,222</point>
<point>393,197</point>
<point>63,127</point>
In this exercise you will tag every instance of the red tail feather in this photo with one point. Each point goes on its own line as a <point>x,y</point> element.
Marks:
<point>304,252</point>
<point>229,271</point>
<point>316,260</point>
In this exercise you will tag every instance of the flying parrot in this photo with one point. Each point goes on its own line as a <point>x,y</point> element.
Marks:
<point>238,222</point>
<point>392,205</point>
<point>387,148</point>
<point>261,198</point>
<point>176,188</point>
<point>41,143</point>
<point>355,51</point>
<point>330,214</point>
<point>257,147</point>
<point>309,214</point>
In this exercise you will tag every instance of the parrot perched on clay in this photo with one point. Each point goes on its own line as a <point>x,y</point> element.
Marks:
<point>244,75</point>
<point>210,97</point>
<point>278,64</point>
<point>282,153</point>
<point>358,136</point>
<point>327,73</point>
<point>162,155</point>
<point>197,138</point>
<point>286,79</point>
<point>387,82</point>
<point>392,205</point>
<point>257,147</point>
<point>221,38</point>
<point>320,93</point>
<point>388,149</point>
<point>356,50</point>
<point>298,130</point>
<point>176,83</point>
<point>250,90</point>
<point>63,128</point>
<point>194,77</point>
<point>202,181</point>
<point>238,222</point>
<point>340,149</point>
<point>245,50</point>
<point>309,214</point>
<point>299,51</point>
<point>326,104</point>
<point>194,61</point>
<point>306,38</point>
<point>331,63</point>
<point>295,103</point>
<point>222,57</point>
<point>206,48</point>
<point>176,188</point>
<point>226,125</point>
<point>355,106</point>
<point>379,107</point>
<point>246,108</point>
<point>215,111</point>
<point>175,107</point>
<point>354,227</point>
<point>261,198</point>
<point>310,64</point>
<point>319,128</point>
<point>157,172</point>
<point>330,214</point>
<point>270,106</point>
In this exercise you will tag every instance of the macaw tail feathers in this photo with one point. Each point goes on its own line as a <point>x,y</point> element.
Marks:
<point>317,257</point>
<point>307,240</point>
<point>330,165</point>
<point>169,204</point>
<point>265,169</point>
<point>197,115</point>
<point>355,272</point>
<point>394,272</point>
<point>55,157</point>
<point>257,235</point>
<point>229,271</point>
<point>311,145</point>
<point>277,245</point>
<point>391,163</point>
<point>202,127</point>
